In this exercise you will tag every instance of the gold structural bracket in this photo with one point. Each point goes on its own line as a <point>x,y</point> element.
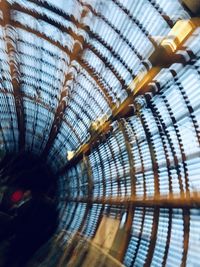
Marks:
<point>164,55</point>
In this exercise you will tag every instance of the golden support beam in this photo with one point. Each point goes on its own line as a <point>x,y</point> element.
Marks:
<point>164,56</point>
<point>170,201</point>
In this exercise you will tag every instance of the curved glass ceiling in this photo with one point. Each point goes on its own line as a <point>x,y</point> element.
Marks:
<point>108,92</point>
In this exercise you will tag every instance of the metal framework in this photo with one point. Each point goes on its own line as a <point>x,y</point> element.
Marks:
<point>115,84</point>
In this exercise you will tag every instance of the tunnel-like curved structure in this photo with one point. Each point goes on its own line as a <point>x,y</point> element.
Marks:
<point>108,92</point>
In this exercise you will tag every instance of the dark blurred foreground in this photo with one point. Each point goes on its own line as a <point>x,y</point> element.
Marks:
<point>28,215</point>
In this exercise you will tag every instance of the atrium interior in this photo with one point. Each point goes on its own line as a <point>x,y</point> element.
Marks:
<point>99,133</point>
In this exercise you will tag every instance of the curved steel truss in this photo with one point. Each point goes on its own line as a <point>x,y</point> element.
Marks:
<point>108,92</point>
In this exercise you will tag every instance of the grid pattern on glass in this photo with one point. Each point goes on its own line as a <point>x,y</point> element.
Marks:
<point>64,66</point>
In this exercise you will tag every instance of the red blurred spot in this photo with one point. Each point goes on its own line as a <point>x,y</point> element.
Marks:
<point>17,196</point>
